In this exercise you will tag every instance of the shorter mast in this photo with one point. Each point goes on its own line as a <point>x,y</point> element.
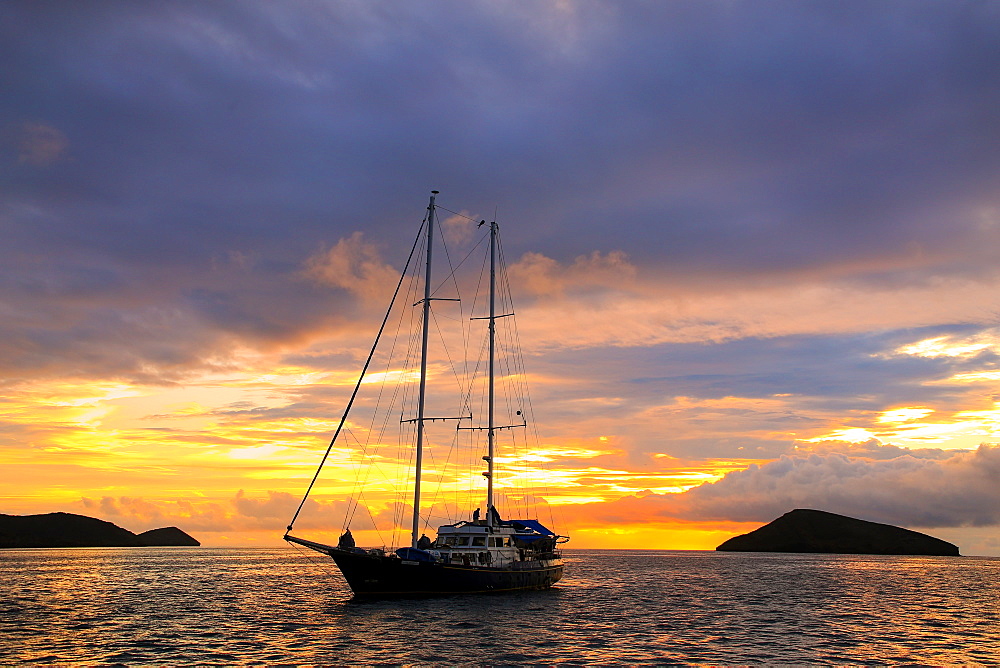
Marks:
<point>493,327</point>
<point>414,534</point>
<point>492,427</point>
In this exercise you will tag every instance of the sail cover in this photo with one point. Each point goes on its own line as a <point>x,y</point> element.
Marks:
<point>534,525</point>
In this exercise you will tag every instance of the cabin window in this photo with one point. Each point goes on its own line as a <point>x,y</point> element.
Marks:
<point>461,540</point>
<point>496,542</point>
<point>479,541</point>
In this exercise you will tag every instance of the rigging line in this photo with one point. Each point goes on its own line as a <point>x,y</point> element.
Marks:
<point>399,387</point>
<point>461,215</point>
<point>311,556</point>
<point>378,531</point>
<point>529,407</point>
<point>358,502</point>
<point>437,494</point>
<point>357,386</point>
<point>518,377</point>
<point>466,330</point>
<point>454,269</point>
<point>359,482</point>
<point>484,341</point>
<point>403,397</point>
<point>476,378</point>
<point>473,375</point>
<point>405,433</point>
<point>447,351</point>
<point>518,360</point>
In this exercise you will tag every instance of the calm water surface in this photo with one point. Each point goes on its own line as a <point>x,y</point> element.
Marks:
<point>268,606</point>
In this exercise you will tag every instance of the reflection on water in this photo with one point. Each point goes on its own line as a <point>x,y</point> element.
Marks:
<point>172,606</point>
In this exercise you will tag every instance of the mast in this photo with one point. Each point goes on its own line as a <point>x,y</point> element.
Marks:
<point>493,321</point>
<point>423,375</point>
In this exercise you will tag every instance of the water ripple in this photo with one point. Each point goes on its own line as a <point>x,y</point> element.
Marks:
<point>278,606</point>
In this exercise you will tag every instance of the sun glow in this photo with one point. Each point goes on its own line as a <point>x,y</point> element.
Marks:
<point>945,346</point>
<point>395,376</point>
<point>847,435</point>
<point>900,415</point>
<point>190,448</point>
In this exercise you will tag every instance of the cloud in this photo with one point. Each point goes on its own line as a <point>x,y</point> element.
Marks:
<point>354,265</point>
<point>41,145</point>
<point>910,490</point>
<point>541,275</point>
<point>623,306</point>
<point>737,173</point>
<point>872,449</point>
<point>238,513</point>
<point>133,511</point>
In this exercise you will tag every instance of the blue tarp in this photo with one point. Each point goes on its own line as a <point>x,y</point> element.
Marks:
<point>534,525</point>
<point>413,554</point>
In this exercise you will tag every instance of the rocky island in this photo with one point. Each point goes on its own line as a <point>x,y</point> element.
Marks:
<point>805,530</point>
<point>69,530</point>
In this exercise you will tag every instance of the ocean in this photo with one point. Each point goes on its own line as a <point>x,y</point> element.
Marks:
<point>176,606</point>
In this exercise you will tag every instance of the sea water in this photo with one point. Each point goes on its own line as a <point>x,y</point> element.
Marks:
<point>173,606</point>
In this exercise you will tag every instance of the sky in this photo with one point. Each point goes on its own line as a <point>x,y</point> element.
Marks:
<point>754,247</point>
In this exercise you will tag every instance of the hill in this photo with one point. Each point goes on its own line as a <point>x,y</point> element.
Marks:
<point>166,537</point>
<point>804,530</point>
<point>69,530</point>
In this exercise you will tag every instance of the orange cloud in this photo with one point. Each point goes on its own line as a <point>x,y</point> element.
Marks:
<point>540,275</point>
<point>354,265</point>
<point>604,300</point>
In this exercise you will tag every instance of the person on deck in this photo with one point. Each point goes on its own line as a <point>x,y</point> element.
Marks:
<point>424,543</point>
<point>346,540</point>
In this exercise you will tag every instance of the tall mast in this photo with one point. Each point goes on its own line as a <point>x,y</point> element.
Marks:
<point>423,375</point>
<point>493,323</point>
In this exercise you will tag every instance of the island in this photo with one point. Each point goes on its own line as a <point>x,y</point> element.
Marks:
<point>69,530</point>
<point>807,530</point>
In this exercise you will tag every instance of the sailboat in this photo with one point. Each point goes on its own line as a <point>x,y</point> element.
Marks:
<point>482,551</point>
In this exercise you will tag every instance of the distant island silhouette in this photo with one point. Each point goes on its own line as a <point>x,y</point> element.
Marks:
<point>805,530</point>
<point>69,530</point>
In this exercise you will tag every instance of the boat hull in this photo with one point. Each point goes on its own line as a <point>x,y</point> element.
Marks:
<point>382,576</point>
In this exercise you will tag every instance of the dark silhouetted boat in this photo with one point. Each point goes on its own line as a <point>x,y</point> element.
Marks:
<point>483,552</point>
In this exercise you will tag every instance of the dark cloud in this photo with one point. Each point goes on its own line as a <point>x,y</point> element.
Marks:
<point>908,490</point>
<point>168,170</point>
<point>758,367</point>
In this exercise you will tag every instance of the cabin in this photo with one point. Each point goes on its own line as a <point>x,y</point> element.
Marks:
<point>477,543</point>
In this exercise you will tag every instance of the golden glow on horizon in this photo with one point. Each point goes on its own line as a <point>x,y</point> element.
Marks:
<point>562,500</point>
<point>179,454</point>
<point>660,536</point>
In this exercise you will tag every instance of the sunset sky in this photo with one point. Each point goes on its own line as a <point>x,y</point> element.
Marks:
<point>754,246</point>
